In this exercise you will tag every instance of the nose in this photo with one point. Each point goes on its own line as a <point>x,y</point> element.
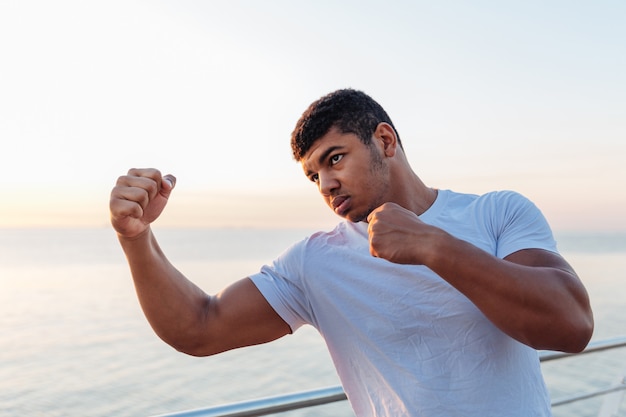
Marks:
<point>327,183</point>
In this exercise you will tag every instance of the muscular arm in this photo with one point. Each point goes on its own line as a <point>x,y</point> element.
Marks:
<point>180,313</point>
<point>532,295</point>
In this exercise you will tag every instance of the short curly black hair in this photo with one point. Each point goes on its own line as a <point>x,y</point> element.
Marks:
<point>351,111</point>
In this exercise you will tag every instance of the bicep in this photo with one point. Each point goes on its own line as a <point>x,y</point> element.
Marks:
<point>241,316</point>
<point>560,295</point>
<point>554,275</point>
<point>540,258</point>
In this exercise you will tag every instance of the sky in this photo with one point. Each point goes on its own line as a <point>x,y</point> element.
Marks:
<point>486,95</point>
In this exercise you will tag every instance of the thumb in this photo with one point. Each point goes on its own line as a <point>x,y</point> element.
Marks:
<point>167,184</point>
<point>373,214</point>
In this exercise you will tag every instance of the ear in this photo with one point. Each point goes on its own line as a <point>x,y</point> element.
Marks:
<point>386,136</point>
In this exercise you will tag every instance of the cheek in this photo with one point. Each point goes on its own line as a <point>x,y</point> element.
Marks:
<point>378,185</point>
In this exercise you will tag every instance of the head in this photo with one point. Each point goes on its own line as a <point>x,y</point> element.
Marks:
<point>347,110</point>
<point>347,145</point>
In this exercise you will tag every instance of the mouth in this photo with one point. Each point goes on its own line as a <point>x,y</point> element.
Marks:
<point>340,204</point>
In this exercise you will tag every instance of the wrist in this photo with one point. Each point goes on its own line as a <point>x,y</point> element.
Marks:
<point>142,237</point>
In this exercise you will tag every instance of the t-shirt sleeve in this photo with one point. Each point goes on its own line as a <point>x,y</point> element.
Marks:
<point>519,224</point>
<point>281,285</point>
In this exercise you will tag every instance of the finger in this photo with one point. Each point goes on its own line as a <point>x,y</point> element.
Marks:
<point>136,195</point>
<point>157,184</point>
<point>371,236</point>
<point>153,173</point>
<point>144,182</point>
<point>121,208</point>
<point>167,184</point>
<point>373,214</point>
<point>373,251</point>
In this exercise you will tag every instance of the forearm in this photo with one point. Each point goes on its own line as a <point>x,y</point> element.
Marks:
<point>174,306</point>
<point>545,307</point>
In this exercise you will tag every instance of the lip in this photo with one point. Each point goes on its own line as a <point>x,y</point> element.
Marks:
<point>340,204</point>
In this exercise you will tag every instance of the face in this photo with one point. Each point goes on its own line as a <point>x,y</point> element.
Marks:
<point>352,177</point>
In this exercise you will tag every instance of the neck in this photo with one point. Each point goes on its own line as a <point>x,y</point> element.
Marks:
<point>411,193</point>
<point>421,198</point>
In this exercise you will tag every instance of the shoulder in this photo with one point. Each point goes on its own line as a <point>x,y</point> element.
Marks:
<point>509,205</point>
<point>493,198</point>
<point>517,222</point>
<point>505,202</point>
<point>503,209</point>
<point>505,197</point>
<point>498,221</point>
<point>490,202</point>
<point>345,233</point>
<point>317,245</point>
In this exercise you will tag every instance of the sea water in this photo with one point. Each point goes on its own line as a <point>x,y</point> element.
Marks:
<point>75,343</point>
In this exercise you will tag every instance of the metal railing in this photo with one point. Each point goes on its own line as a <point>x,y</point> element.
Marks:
<point>294,401</point>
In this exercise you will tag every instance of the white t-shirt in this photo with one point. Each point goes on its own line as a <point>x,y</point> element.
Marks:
<point>404,342</point>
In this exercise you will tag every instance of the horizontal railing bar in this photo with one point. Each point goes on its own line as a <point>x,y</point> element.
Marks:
<point>321,396</point>
<point>269,405</point>
<point>596,346</point>
<point>586,396</point>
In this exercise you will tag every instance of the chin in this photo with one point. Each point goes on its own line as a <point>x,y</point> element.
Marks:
<point>356,217</point>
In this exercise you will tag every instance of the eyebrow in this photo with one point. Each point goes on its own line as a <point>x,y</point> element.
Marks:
<point>323,156</point>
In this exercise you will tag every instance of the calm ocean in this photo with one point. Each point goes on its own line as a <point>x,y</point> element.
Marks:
<point>75,343</point>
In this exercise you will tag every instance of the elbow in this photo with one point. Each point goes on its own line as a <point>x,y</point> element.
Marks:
<point>577,328</point>
<point>581,335</point>
<point>193,343</point>
<point>570,336</point>
<point>192,351</point>
<point>195,349</point>
<point>581,328</point>
<point>197,338</point>
<point>187,348</point>
<point>575,337</point>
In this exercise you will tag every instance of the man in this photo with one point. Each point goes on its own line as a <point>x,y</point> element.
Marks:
<point>431,302</point>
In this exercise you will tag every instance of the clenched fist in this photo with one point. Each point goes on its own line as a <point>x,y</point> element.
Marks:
<point>398,235</point>
<point>138,199</point>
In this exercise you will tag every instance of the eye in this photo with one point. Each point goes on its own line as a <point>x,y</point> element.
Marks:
<point>314,178</point>
<point>336,158</point>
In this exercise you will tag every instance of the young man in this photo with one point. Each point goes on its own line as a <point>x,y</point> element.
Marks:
<point>431,302</point>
